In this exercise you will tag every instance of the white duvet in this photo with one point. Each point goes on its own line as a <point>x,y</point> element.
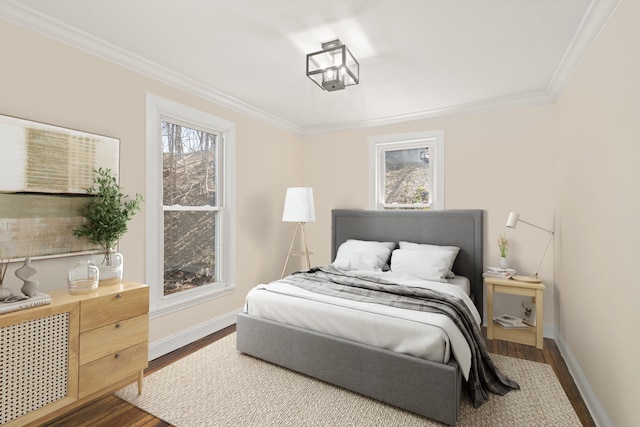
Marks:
<point>430,336</point>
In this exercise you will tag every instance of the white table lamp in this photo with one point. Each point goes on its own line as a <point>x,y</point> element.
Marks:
<point>512,222</point>
<point>298,208</point>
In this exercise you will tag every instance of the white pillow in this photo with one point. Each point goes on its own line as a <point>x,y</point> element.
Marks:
<point>363,255</point>
<point>431,265</point>
<point>425,247</point>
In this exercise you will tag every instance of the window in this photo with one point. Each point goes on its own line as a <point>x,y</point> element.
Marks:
<point>407,171</point>
<point>189,205</point>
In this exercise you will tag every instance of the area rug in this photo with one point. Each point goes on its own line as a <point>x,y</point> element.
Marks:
<point>217,386</point>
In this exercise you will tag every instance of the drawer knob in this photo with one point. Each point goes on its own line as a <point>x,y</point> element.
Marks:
<point>119,296</point>
<point>117,356</point>
<point>118,325</point>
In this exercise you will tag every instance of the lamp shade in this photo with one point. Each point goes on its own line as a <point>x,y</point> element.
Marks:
<point>298,205</point>
<point>512,221</point>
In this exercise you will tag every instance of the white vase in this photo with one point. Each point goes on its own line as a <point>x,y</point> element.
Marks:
<point>503,262</point>
<point>111,266</point>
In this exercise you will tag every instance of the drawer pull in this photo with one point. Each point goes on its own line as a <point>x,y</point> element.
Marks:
<point>118,325</point>
<point>119,296</point>
<point>117,356</point>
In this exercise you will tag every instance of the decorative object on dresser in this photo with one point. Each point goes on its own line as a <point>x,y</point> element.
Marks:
<point>77,348</point>
<point>106,217</point>
<point>28,296</point>
<point>24,273</point>
<point>83,277</point>
<point>4,292</point>
<point>298,208</point>
<point>512,222</point>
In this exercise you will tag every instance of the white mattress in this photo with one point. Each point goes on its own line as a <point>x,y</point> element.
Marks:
<point>420,334</point>
<point>461,282</point>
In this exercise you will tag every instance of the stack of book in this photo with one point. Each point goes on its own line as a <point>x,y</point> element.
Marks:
<point>34,301</point>
<point>508,321</point>
<point>504,273</point>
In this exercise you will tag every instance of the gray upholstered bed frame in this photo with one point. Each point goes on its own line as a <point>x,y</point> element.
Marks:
<point>424,387</point>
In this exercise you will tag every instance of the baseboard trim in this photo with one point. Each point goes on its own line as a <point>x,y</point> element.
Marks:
<point>593,404</point>
<point>173,342</point>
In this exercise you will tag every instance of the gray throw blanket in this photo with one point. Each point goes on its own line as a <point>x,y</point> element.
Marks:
<point>484,375</point>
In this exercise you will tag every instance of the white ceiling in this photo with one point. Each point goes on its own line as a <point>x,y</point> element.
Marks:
<point>418,58</point>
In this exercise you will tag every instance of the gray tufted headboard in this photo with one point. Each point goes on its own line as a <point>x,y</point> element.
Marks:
<point>461,228</point>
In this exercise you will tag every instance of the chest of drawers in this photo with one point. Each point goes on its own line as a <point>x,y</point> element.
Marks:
<point>99,342</point>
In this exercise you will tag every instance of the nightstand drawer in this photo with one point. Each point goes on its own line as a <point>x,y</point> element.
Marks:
<point>109,339</point>
<point>113,307</point>
<point>110,369</point>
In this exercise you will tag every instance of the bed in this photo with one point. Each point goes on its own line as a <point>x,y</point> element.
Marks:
<point>432,388</point>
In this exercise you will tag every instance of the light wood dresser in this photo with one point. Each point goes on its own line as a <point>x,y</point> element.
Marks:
<point>60,356</point>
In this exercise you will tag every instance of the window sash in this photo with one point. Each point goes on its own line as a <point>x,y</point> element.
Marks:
<point>380,145</point>
<point>159,109</point>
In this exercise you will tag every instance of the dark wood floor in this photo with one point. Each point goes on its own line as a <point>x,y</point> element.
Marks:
<point>111,411</point>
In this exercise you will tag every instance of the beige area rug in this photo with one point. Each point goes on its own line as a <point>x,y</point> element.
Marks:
<point>217,386</point>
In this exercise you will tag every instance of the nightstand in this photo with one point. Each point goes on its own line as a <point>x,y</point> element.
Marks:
<point>532,335</point>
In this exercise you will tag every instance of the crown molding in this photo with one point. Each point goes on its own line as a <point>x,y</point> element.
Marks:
<point>592,24</point>
<point>31,19</point>
<point>594,20</point>
<point>516,101</point>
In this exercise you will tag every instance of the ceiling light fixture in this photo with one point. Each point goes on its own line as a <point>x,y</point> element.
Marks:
<point>334,67</point>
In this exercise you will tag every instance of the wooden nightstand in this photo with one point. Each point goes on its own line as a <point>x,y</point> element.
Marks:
<point>532,335</point>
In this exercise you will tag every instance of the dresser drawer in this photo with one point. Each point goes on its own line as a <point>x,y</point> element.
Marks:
<point>113,307</point>
<point>109,339</point>
<point>96,375</point>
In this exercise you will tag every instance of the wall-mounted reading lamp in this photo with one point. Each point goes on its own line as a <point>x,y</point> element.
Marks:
<point>512,221</point>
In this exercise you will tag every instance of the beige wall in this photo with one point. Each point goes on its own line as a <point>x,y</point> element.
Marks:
<point>494,161</point>
<point>572,165</point>
<point>497,161</point>
<point>597,205</point>
<point>44,80</point>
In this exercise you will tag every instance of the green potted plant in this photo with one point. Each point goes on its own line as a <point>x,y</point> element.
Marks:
<point>106,217</point>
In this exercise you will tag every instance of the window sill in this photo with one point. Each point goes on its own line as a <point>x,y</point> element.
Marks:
<point>167,306</point>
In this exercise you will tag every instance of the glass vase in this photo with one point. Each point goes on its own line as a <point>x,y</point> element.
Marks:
<point>83,277</point>
<point>111,265</point>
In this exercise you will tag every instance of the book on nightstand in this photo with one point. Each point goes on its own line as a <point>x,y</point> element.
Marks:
<point>510,322</point>
<point>37,300</point>
<point>503,273</point>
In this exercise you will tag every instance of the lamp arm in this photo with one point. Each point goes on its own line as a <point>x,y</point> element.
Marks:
<point>545,249</point>
<point>536,226</point>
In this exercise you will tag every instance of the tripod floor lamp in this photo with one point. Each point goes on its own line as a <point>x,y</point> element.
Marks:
<point>512,221</point>
<point>298,208</point>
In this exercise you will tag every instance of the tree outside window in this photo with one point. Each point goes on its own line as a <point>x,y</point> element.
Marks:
<point>408,171</point>
<point>190,194</point>
<point>190,240</point>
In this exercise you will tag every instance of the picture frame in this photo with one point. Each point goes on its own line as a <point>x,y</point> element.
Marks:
<point>44,173</point>
<point>529,313</point>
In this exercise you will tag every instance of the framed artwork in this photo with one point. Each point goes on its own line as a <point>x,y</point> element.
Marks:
<point>529,313</point>
<point>44,173</point>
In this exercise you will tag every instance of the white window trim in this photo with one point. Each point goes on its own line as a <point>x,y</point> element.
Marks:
<point>384,141</point>
<point>160,305</point>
